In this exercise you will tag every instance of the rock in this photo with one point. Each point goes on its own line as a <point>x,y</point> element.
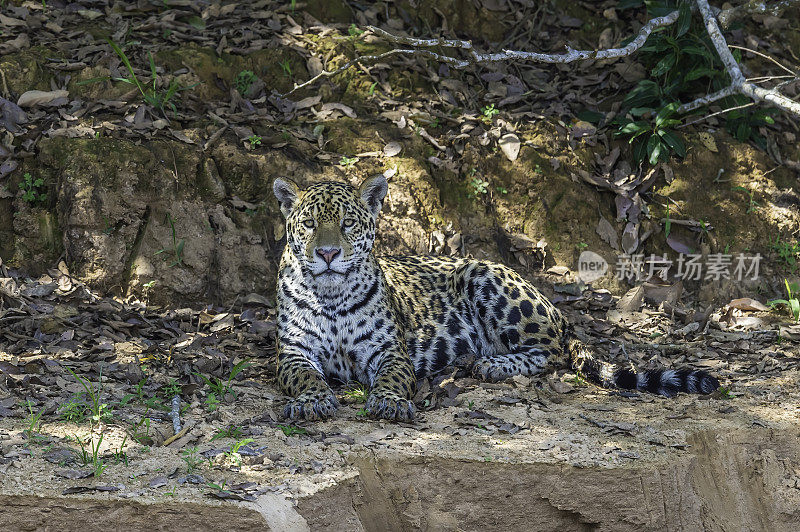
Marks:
<point>509,144</point>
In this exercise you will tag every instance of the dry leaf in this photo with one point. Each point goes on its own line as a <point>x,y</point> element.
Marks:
<point>607,233</point>
<point>32,98</point>
<point>746,303</point>
<point>630,238</point>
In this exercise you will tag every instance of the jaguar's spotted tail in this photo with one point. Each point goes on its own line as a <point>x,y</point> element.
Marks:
<point>667,382</point>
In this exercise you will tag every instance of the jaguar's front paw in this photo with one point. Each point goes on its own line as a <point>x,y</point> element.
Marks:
<point>390,406</point>
<point>311,406</point>
<point>490,370</point>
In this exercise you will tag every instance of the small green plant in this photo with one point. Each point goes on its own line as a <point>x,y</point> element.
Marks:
<point>75,410</point>
<point>577,380</point>
<point>653,141</point>
<point>155,403</point>
<point>681,59</point>
<point>752,206</point>
<point>142,436</point>
<point>353,31</point>
<point>362,412</point>
<point>33,423</point>
<point>31,189</point>
<point>231,431</point>
<point>357,394</point>
<point>792,301</point>
<point>90,453</point>
<point>479,186</point>
<point>348,162</point>
<point>291,430</point>
<point>254,141</point>
<point>744,123</point>
<point>788,253</point>
<point>703,229</point>
<point>177,245</point>
<point>211,402</point>
<point>120,456</point>
<point>488,113</point>
<point>192,459</point>
<point>171,390</point>
<point>502,190</point>
<point>724,393</point>
<point>221,387</point>
<point>138,393</point>
<point>372,88</point>
<point>682,62</point>
<point>233,455</point>
<point>286,66</point>
<point>98,410</point>
<point>244,80</point>
<point>218,487</point>
<point>159,99</point>
<point>581,246</point>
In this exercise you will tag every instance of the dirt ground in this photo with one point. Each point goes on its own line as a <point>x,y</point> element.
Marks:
<point>102,439</point>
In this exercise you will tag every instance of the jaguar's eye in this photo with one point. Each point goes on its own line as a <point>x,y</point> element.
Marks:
<point>348,222</point>
<point>309,223</point>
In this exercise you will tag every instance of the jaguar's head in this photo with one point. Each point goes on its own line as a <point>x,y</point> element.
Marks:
<point>330,227</point>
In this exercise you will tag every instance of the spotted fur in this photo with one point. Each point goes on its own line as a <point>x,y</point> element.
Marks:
<point>345,315</point>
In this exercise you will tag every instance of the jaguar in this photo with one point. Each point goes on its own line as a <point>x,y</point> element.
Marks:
<point>344,314</point>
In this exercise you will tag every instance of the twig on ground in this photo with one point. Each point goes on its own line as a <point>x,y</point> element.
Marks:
<point>175,414</point>
<point>179,435</point>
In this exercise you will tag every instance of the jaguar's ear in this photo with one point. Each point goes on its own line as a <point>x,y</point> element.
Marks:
<point>287,193</point>
<point>372,192</point>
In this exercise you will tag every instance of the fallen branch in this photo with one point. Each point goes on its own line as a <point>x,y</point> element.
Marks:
<point>738,83</point>
<point>175,414</point>
<point>569,57</point>
<point>482,58</point>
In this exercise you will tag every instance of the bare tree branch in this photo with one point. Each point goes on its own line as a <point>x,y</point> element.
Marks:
<point>569,57</point>
<point>707,99</point>
<point>738,83</point>
<point>479,58</point>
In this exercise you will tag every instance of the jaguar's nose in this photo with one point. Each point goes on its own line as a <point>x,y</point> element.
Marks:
<point>328,254</point>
